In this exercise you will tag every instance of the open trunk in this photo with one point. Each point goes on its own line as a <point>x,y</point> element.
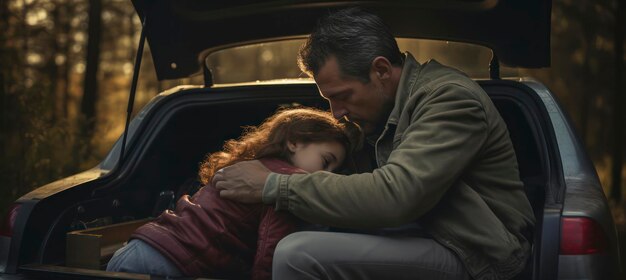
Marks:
<point>180,129</point>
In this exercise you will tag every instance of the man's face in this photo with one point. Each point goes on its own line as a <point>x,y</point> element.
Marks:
<point>366,104</point>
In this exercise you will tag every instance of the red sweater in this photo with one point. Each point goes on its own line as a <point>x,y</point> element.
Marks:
<point>207,236</point>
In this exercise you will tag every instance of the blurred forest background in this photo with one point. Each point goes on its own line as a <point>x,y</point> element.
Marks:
<point>66,68</point>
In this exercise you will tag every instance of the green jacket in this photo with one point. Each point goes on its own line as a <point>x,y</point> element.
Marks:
<point>444,159</point>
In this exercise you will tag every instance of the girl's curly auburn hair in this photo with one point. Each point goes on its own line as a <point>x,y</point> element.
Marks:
<point>299,125</point>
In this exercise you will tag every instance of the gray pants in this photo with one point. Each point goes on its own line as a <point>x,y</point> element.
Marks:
<point>328,255</point>
<point>139,257</point>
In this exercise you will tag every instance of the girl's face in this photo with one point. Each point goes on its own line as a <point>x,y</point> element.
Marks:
<point>317,156</point>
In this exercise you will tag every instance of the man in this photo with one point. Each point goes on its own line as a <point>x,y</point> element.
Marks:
<point>443,160</point>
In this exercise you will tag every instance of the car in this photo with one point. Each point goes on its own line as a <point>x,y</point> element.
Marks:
<point>155,161</point>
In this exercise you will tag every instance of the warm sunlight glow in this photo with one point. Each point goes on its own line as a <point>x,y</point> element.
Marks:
<point>127,68</point>
<point>79,37</point>
<point>59,59</point>
<point>33,58</point>
<point>36,17</point>
<point>79,68</point>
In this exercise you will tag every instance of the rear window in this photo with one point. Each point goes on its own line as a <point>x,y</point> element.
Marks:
<point>277,60</point>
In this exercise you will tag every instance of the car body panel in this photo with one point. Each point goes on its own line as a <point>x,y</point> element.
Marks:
<point>583,196</point>
<point>585,267</point>
<point>63,184</point>
<point>180,33</point>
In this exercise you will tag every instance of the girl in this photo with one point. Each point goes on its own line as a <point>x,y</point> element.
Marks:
<point>206,236</point>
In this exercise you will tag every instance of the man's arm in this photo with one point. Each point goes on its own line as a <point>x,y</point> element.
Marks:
<point>440,143</point>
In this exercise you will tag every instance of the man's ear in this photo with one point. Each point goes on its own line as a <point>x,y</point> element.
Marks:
<point>381,68</point>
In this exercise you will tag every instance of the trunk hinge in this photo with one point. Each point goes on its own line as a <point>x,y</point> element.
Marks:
<point>208,75</point>
<point>133,88</point>
<point>494,67</point>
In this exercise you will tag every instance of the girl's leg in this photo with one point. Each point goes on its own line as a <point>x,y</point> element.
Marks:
<point>139,257</point>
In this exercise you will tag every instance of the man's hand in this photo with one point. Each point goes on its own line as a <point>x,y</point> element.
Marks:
<point>242,181</point>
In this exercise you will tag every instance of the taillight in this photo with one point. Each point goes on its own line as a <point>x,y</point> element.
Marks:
<point>582,236</point>
<point>8,223</point>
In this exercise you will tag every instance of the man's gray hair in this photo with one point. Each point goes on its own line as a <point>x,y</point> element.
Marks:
<point>355,38</point>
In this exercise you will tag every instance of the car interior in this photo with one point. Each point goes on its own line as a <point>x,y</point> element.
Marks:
<point>182,133</point>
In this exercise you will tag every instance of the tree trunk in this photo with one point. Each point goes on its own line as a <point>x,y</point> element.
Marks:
<point>68,11</point>
<point>90,94</point>
<point>586,103</point>
<point>53,68</point>
<point>4,21</point>
<point>618,104</point>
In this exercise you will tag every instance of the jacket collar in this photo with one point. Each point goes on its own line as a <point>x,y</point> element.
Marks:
<point>410,72</point>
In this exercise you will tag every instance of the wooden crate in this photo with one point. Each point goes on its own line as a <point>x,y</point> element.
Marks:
<point>92,248</point>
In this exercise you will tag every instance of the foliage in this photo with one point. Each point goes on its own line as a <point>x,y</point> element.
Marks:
<point>42,53</point>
